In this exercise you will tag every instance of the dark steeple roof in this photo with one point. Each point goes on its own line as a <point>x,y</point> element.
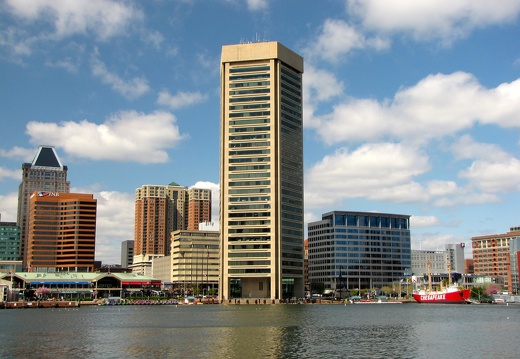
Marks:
<point>47,157</point>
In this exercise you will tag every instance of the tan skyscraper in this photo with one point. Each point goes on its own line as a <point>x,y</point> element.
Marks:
<point>62,232</point>
<point>261,208</point>
<point>44,173</point>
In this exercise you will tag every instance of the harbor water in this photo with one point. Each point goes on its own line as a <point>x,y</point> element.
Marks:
<point>263,331</point>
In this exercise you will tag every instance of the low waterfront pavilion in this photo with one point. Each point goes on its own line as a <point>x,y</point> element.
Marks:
<point>81,284</point>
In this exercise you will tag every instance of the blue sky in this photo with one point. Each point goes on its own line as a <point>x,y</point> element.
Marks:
<point>411,106</point>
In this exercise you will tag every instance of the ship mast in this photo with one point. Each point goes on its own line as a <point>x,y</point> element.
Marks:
<point>449,271</point>
<point>429,276</point>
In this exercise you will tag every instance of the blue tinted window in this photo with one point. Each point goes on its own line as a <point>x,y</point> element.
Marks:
<point>341,220</point>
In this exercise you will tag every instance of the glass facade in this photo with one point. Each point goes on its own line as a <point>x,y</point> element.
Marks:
<point>356,250</point>
<point>9,242</point>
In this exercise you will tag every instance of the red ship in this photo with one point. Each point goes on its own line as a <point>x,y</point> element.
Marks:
<point>450,295</point>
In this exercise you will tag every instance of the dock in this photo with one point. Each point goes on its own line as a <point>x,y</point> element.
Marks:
<point>40,304</point>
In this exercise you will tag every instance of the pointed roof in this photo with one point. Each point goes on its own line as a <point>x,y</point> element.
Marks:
<point>47,157</point>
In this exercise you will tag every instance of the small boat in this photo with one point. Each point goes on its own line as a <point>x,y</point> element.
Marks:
<point>452,294</point>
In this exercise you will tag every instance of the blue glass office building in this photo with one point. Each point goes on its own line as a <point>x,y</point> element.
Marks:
<point>359,250</point>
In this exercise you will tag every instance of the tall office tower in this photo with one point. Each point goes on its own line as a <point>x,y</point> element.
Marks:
<point>359,250</point>
<point>44,173</point>
<point>62,232</point>
<point>199,207</point>
<point>127,253</point>
<point>261,178</point>
<point>491,255</point>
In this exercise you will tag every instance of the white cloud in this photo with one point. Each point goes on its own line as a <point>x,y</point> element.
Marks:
<point>18,153</point>
<point>9,205</point>
<point>382,171</point>
<point>180,99</point>
<point>130,89</point>
<point>392,172</point>
<point>104,18</point>
<point>115,223</point>
<point>436,240</point>
<point>446,20</point>
<point>494,177</point>
<point>17,43</point>
<point>423,221</point>
<point>126,136</point>
<point>467,148</point>
<point>338,38</point>
<point>318,86</point>
<point>257,5</point>
<point>10,174</point>
<point>437,106</point>
<point>492,171</point>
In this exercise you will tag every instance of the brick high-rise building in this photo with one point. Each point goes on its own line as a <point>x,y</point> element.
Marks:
<point>44,173</point>
<point>491,255</point>
<point>160,210</point>
<point>199,207</point>
<point>62,232</point>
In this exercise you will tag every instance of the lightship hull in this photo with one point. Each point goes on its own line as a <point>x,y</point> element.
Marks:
<point>451,297</point>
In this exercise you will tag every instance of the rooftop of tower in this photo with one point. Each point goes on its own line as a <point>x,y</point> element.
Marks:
<point>261,51</point>
<point>47,157</point>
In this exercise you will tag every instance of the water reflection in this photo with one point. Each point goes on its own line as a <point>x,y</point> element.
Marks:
<point>263,331</point>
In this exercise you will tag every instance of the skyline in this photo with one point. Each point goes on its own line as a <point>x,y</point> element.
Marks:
<point>410,107</point>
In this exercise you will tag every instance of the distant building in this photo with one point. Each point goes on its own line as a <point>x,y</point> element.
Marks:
<point>359,250</point>
<point>514,253</point>
<point>453,255</point>
<point>9,241</point>
<point>437,260</point>
<point>491,255</point>
<point>209,226</point>
<point>468,264</point>
<point>62,232</point>
<point>193,265</point>
<point>44,173</point>
<point>199,207</point>
<point>160,210</point>
<point>261,177</point>
<point>127,253</point>
<point>306,265</point>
